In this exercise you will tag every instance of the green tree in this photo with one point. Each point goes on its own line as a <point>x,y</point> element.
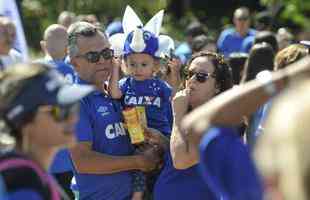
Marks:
<point>296,11</point>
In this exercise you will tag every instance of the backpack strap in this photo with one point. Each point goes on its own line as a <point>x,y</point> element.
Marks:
<point>11,166</point>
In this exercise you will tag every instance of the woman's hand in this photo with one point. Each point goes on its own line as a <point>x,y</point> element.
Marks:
<point>180,104</point>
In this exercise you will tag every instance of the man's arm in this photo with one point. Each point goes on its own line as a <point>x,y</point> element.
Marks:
<point>88,161</point>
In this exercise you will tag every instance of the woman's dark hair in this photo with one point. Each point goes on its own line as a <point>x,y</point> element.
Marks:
<point>237,61</point>
<point>268,37</point>
<point>260,58</point>
<point>222,71</point>
<point>201,41</point>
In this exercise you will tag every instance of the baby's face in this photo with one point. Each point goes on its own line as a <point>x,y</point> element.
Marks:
<point>140,66</point>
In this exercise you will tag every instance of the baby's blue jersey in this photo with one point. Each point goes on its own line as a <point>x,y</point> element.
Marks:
<point>155,95</point>
<point>101,124</point>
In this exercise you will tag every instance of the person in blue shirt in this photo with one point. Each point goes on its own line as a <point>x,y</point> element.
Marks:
<point>103,159</point>
<point>231,40</point>
<point>207,76</point>
<point>184,50</point>
<point>227,167</point>
<point>54,45</point>
<point>141,87</point>
<point>38,110</point>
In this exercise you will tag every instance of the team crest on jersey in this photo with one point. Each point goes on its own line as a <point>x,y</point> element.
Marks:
<point>142,100</point>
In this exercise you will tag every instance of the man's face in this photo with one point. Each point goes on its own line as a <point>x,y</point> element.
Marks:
<point>94,72</point>
<point>242,21</point>
<point>3,39</point>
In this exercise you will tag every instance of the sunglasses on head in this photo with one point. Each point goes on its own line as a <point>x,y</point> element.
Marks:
<point>94,56</point>
<point>61,114</point>
<point>199,76</point>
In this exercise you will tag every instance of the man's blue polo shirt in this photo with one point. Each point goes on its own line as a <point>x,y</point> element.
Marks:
<point>231,41</point>
<point>101,124</point>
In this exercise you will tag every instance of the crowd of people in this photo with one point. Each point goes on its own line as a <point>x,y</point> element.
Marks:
<point>224,118</point>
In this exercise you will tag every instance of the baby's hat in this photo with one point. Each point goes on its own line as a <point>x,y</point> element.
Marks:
<point>138,38</point>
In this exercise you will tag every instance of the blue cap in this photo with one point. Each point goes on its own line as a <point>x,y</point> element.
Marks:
<point>26,87</point>
<point>114,27</point>
<point>148,40</point>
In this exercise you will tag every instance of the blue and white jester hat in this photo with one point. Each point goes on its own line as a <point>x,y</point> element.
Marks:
<point>138,38</point>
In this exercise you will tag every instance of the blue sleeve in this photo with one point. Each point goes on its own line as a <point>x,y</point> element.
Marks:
<point>220,42</point>
<point>21,194</point>
<point>247,44</point>
<point>84,129</point>
<point>227,166</point>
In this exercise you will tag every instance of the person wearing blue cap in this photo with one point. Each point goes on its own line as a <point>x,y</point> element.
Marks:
<point>38,109</point>
<point>103,160</point>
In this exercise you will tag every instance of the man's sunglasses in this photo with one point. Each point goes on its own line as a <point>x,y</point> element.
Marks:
<point>199,76</point>
<point>94,56</point>
<point>61,114</point>
<point>242,18</point>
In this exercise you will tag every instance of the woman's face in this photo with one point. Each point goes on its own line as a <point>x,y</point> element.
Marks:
<point>203,90</point>
<point>46,131</point>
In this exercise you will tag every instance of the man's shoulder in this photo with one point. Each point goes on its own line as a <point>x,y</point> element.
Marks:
<point>252,32</point>
<point>228,31</point>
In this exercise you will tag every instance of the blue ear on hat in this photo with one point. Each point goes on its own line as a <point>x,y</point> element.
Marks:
<point>141,41</point>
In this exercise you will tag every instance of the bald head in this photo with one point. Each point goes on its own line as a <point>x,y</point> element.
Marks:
<point>55,41</point>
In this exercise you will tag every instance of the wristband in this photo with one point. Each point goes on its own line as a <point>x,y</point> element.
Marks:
<point>265,77</point>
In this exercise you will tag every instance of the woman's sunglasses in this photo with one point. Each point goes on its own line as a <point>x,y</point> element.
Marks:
<point>199,76</point>
<point>61,114</point>
<point>94,56</point>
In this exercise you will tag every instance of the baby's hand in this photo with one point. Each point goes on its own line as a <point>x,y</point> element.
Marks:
<point>175,65</point>
<point>116,63</point>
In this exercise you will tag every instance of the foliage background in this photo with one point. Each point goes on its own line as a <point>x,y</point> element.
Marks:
<point>38,14</point>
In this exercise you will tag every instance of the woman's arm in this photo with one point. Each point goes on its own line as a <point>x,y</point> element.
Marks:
<point>184,154</point>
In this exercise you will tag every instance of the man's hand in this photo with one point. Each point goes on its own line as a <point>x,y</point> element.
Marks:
<point>149,158</point>
<point>155,137</point>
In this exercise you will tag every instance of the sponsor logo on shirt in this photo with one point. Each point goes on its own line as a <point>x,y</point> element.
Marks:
<point>142,100</point>
<point>115,130</point>
<point>103,110</point>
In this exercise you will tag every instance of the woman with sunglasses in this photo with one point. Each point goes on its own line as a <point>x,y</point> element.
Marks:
<point>207,76</point>
<point>38,110</point>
